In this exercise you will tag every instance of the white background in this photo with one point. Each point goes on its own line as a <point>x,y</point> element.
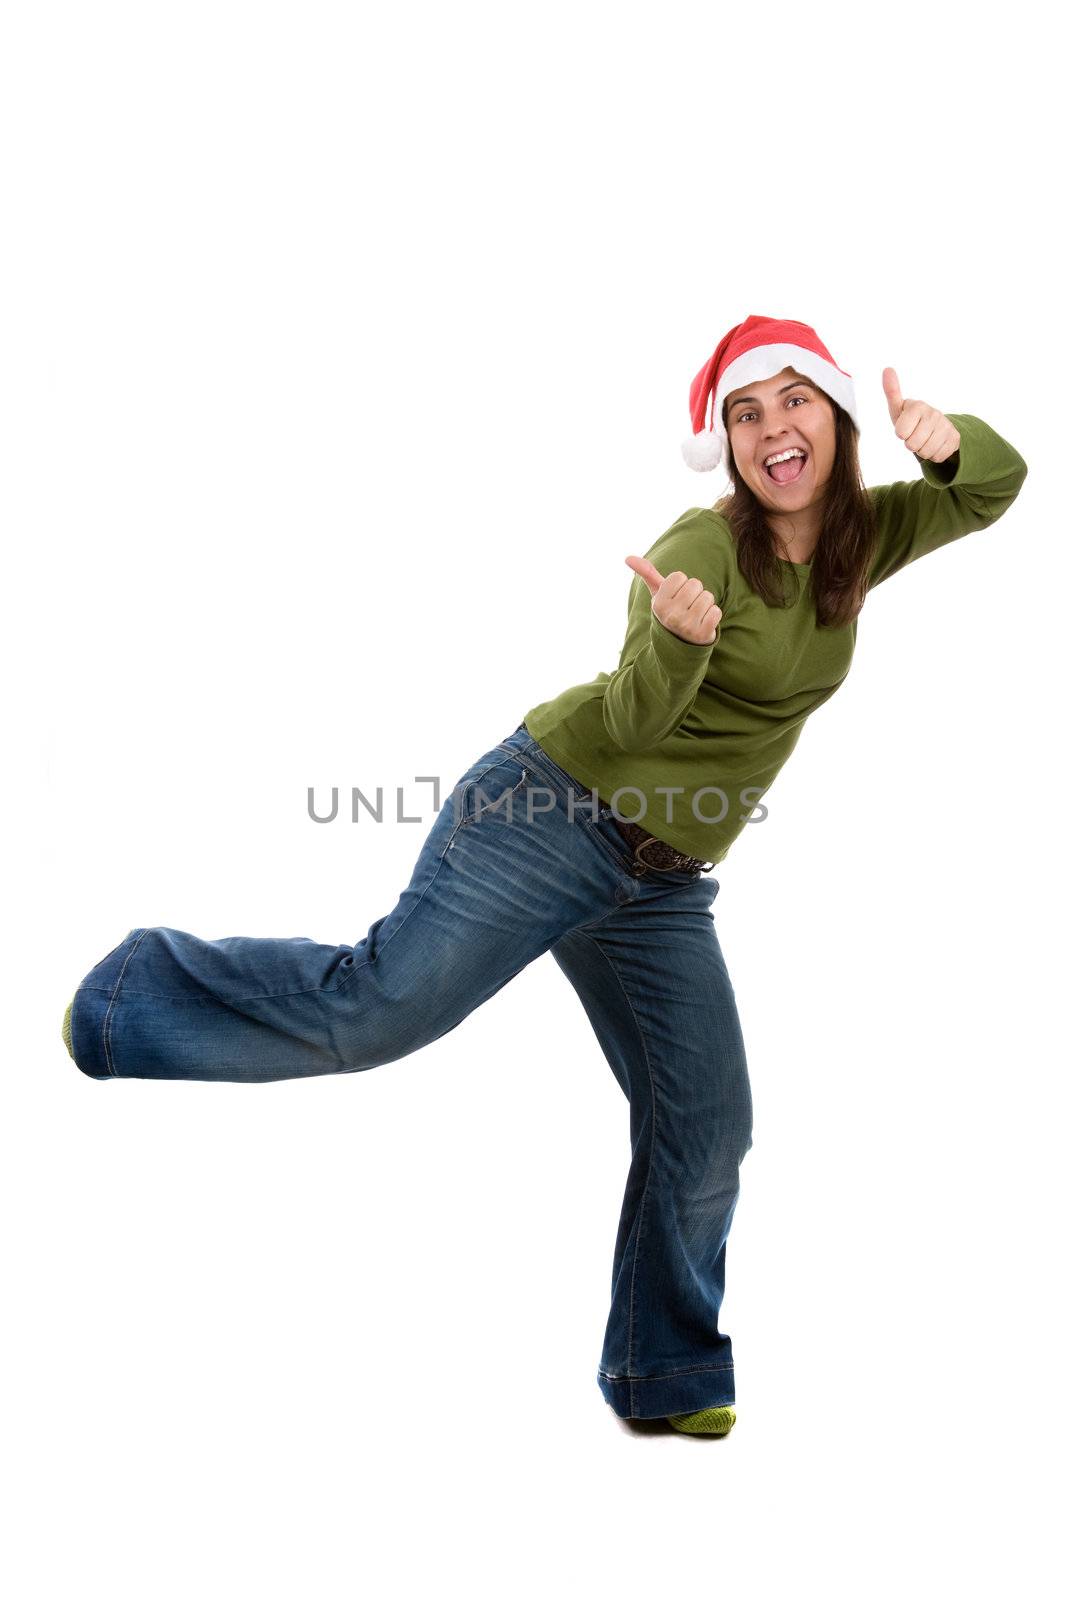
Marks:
<point>346,354</point>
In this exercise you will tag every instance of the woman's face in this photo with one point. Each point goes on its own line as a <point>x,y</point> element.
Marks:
<point>779,414</point>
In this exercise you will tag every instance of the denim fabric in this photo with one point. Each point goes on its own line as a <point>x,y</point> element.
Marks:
<point>513,866</point>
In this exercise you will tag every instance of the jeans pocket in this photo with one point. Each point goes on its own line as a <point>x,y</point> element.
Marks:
<point>552,769</point>
<point>495,786</point>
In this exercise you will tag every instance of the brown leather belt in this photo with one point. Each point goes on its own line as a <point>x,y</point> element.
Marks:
<point>657,853</point>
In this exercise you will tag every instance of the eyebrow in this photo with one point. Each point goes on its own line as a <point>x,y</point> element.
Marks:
<point>750,399</point>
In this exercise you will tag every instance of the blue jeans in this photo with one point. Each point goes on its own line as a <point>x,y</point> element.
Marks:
<point>512,866</point>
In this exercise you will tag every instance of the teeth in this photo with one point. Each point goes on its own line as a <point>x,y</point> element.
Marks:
<point>786,455</point>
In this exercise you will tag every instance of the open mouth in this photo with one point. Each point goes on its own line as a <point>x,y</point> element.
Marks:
<point>787,471</point>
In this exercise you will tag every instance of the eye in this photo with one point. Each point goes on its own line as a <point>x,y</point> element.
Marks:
<point>801,397</point>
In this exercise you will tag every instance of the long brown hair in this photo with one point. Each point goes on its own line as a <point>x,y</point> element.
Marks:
<point>842,556</point>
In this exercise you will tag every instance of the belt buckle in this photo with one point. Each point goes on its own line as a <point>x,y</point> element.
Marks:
<point>639,866</point>
<point>683,863</point>
<point>647,866</point>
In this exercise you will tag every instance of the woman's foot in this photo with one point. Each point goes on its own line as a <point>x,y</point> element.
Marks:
<point>713,1419</point>
<point>66,1029</point>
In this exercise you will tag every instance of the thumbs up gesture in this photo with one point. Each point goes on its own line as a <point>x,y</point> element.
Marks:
<point>682,604</point>
<point>927,432</point>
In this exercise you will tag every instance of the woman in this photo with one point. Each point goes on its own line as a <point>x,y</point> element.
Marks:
<point>680,743</point>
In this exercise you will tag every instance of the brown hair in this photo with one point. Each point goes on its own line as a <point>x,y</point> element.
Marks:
<point>842,556</point>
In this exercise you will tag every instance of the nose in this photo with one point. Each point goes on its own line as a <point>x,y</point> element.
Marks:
<point>775,432</point>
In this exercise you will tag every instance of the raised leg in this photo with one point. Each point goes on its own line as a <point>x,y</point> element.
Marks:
<point>495,885</point>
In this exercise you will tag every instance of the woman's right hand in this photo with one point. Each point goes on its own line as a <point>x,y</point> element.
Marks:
<point>682,604</point>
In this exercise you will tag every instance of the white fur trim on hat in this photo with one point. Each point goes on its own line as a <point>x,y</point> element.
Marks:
<point>702,451</point>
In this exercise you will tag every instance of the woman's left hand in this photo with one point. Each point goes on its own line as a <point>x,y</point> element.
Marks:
<point>926,431</point>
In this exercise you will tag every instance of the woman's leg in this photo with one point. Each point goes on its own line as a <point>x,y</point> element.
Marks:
<point>500,877</point>
<point>653,982</point>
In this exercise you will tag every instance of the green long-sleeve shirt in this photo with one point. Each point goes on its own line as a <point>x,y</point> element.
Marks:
<point>715,723</point>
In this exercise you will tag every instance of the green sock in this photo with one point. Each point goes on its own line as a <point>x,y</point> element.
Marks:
<point>66,1029</point>
<point>713,1419</point>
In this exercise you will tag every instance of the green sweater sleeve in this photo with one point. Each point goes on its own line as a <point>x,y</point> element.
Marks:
<point>659,674</point>
<point>967,492</point>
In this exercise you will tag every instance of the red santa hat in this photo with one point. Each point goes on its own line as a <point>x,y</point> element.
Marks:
<point>758,348</point>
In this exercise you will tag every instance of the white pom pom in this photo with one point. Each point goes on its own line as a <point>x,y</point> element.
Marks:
<point>702,451</point>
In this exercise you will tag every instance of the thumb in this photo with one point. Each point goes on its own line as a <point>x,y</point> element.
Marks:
<point>891,386</point>
<point>646,570</point>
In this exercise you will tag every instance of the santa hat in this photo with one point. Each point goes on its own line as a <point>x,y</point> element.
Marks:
<point>759,347</point>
